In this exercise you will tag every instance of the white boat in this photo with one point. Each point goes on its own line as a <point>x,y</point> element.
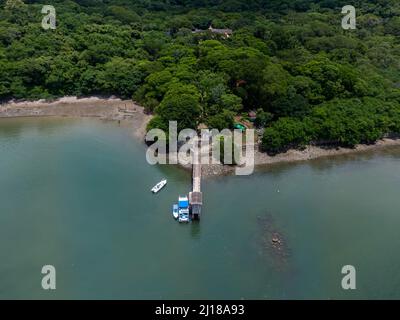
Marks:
<point>159,186</point>
<point>175,211</point>
<point>183,216</point>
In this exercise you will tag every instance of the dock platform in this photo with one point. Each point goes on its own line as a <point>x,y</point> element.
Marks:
<point>196,196</point>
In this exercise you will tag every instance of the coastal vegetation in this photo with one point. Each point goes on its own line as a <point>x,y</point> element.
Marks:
<point>309,80</point>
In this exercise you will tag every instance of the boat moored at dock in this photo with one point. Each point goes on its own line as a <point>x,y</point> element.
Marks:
<point>183,209</point>
<point>175,211</point>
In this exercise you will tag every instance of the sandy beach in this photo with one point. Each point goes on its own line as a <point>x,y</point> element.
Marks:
<point>127,112</point>
<point>132,116</point>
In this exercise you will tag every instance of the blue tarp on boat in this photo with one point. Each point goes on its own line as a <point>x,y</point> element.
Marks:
<point>183,203</point>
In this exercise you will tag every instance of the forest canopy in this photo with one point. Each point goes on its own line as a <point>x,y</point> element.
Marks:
<point>309,80</point>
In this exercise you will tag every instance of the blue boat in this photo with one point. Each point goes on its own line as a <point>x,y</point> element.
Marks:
<point>183,209</point>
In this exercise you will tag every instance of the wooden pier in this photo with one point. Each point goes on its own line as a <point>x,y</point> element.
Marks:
<point>196,196</point>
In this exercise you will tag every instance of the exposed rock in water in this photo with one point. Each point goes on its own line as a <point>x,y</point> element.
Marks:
<point>275,239</point>
<point>272,240</point>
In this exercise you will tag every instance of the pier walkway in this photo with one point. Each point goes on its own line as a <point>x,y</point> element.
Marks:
<point>196,196</point>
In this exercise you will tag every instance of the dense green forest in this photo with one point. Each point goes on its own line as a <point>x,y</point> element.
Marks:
<point>309,80</point>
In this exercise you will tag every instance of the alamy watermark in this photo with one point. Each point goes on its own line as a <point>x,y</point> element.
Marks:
<point>349,20</point>
<point>349,280</point>
<point>49,280</point>
<point>49,20</point>
<point>232,147</point>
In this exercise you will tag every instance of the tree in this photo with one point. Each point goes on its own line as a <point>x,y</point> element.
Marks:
<point>263,118</point>
<point>122,77</point>
<point>221,121</point>
<point>181,104</point>
<point>13,4</point>
<point>125,16</point>
<point>285,133</point>
<point>308,79</point>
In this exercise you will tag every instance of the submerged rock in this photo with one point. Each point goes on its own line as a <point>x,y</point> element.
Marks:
<point>273,241</point>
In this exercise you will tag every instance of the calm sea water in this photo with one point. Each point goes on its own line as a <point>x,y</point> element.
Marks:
<point>75,194</point>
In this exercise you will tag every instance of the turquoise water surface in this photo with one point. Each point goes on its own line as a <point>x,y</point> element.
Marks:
<point>75,194</point>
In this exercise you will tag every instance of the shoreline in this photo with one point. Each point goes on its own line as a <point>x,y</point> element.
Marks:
<point>126,112</point>
<point>131,115</point>
<point>311,152</point>
<point>293,156</point>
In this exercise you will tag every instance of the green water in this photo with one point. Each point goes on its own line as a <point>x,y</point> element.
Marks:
<point>75,194</point>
